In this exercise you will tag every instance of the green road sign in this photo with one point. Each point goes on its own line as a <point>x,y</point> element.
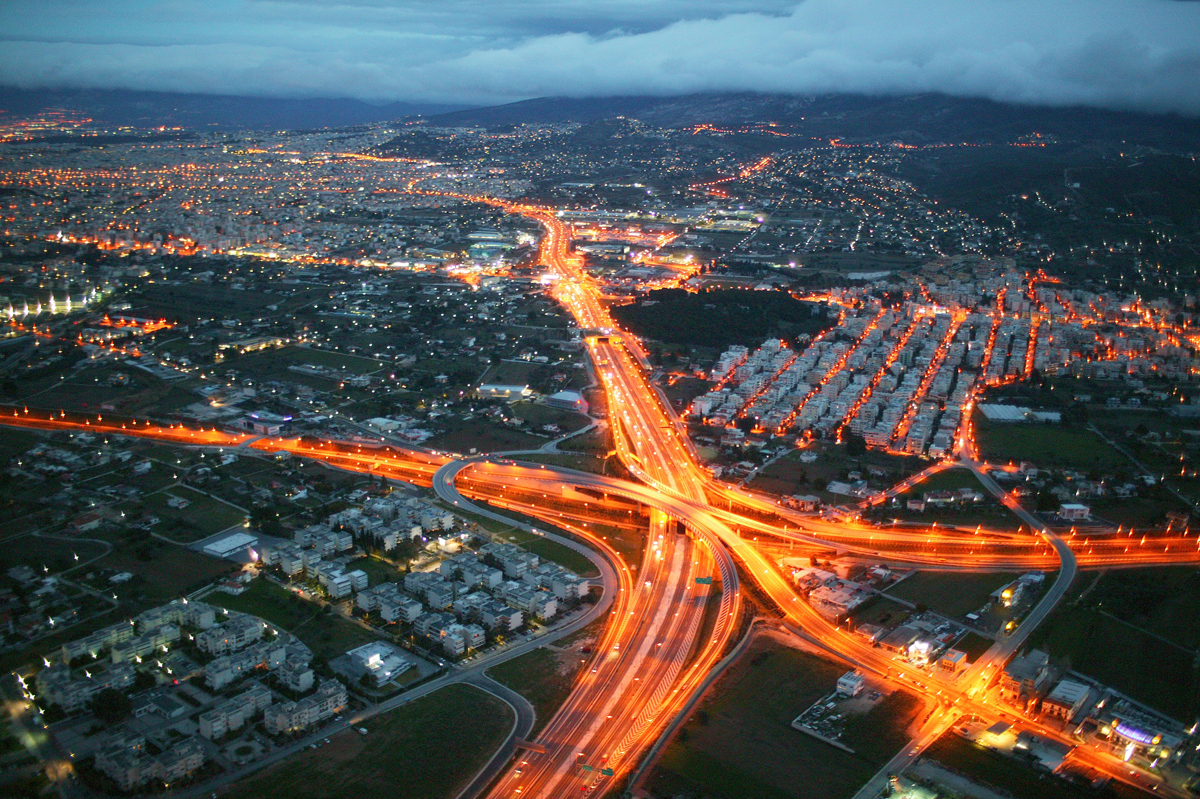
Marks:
<point>586,768</point>
<point>704,581</point>
<point>607,772</point>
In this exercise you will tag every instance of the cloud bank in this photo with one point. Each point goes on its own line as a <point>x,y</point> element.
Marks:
<point>1125,54</point>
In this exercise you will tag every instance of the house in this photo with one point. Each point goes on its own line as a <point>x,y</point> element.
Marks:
<point>952,661</point>
<point>851,684</point>
<point>1071,511</point>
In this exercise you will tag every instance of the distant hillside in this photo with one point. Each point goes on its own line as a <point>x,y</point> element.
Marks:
<point>915,119</point>
<point>203,111</point>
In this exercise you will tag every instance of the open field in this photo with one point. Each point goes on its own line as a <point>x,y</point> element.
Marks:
<point>427,749</point>
<point>1165,600</point>
<point>947,480</point>
<point>15,441</point>
<point>483,437</point>
<point>580,462</point>
<point>378,571</point>
<point>543,676</point>
<point>949,593</point>
<point>205,515</point>
<point>974,645</point>
<point>1046,445</point>
<point>742,744</point>
<point>1125,657</point>
<point>268,601</point>
<point>170,571</point>
<point>537,415</point>
<point>553,551</point>
<point>56,553</point>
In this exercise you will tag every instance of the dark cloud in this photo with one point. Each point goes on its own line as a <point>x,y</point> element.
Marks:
<point>1138,54</point>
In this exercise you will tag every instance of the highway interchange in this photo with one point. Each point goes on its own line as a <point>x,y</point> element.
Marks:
<point>667,631</point>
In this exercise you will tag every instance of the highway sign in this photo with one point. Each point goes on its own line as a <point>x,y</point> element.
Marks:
<point>586,768</point>
<point>607,772</point>
<point>704,581</point>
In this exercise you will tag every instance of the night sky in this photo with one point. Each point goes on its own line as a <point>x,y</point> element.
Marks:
<point>1128,54</point>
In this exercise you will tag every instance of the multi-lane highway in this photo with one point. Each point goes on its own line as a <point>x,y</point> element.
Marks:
<point>666,630</point>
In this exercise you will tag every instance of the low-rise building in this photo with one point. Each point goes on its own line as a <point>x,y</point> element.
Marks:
<point>287,717</point>
<point>381,661</point>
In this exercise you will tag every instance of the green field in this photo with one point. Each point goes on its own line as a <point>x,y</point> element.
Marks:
<point>165,571</point>
<point>378,571</point>
<point>947,480</point>
<point>543,676</point>
<point>427,749</point>
<point>327,635</point>
<point>1129,659</point>
<point>483,437</point>
<point>974,645</point>
<point>952,594</point>
<point>204,515</point>
<point>1046,445</point>
<point>743,746</point>
<point>546,549</point>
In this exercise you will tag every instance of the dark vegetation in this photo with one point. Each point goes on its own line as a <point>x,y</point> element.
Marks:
<point>721,317</point>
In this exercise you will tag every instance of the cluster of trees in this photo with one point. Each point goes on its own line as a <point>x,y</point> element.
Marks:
<point>720,317</point>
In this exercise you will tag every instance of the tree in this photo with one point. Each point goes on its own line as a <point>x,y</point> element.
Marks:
<point>1076,414</point>
<point>855,444</point>
<point>111,706</point>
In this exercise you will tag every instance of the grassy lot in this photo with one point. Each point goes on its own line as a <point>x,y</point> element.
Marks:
<point>425,749</point>
<point>511,373</point>
<point>327,635</point>
<point>56,553</point>
<point>946,480</point>
<point>949,593</point>
<point>629,544</point>
<point>790,475</point>
<point>538,415</point>
<point>581,462</point>
<point>378,571</point>
<point>1136,630</point>
<point>484,437</point>
<point>1046,445</point>
<point>974,645</point>
<point>1165,600</point>
<point>681,392</point>
<point>14,441</point>
<point>881,611</point>
<point>743,746</point>
<point>553,551</point>
<point>278,360</point>
<point>1009,774</point>
<point>883,730</point>
<point>544,677</point>
<point>268,601</point>
<point>206,515</point>
<point>168,572</point>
